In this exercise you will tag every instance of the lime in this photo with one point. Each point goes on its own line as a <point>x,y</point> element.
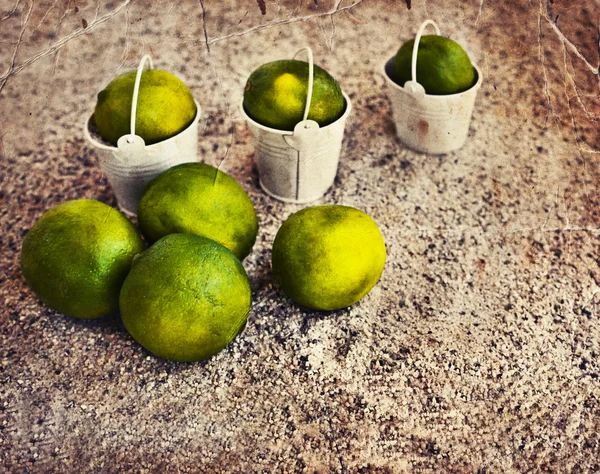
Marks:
<point>443,67</point>
<point>275,95</point>
<point>77,255</point>
<point>165,107</point>
<point>199,199</point>
<point>186,298</point>
<point>328,257</point>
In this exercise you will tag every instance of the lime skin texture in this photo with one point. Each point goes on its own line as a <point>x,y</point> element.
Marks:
<point>443,66</point>
<point>328,257</point>
<point>275,95</point>
<point>186,298</point>
<point>77,255</point>
<point>200,199</point>
<point>165,107</point>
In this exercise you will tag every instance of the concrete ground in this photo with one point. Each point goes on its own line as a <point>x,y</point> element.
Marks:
<point>477,352</point>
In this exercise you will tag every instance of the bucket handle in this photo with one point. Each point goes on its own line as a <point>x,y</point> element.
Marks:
<point>415,51</point>
<point>136,90</point>
<point>302,137</point>
<point>311,78</point>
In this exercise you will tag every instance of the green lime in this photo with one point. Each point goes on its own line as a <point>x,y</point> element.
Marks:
<point>165,107</point>
<point>186,298</point>
<point>77,255</point>
<point>328,257</point>
<point>275,95</point>
<point>199,199</point>
<point>443,67</point>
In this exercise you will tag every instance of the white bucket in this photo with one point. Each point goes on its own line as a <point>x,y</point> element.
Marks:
<point>430,123</point>
<point>131,163</point>
<point>299,166</point>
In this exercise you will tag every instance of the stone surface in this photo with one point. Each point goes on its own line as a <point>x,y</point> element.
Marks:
<point>476,352</point>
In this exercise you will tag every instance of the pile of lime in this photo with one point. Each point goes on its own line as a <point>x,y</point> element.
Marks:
<point>443,66</point>
<point>187,296</point>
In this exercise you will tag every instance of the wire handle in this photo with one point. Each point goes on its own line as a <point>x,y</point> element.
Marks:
<point>136,90</point>
<point>415,51</point>
<point>311,77</point>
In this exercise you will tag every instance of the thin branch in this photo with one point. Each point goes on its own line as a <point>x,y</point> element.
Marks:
<point>3,79</point>
<point>284,21</point>
<point>563,38</point>
<point>16,68</point>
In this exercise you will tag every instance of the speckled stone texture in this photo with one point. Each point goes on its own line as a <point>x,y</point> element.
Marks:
<point>477,352</point>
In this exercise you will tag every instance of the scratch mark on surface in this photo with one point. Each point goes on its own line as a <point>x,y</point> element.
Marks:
<point>52,7</point>
<point>574,125</point>
<point>57,33</point>
<point>333,30</point>
<point>551,230</point>
<point>328,36</point>
<point>204,26</point>
<point>297,9</point>
<point>574,86</point>
<point>554,206</point>
<point>4,78</point>
<point>11,12</point>
<point>355,18</point>
<point>108,211</point>
<point>228,112</point>
<point>487,65</point>
<point>142,38</point>
<point>546,13</point>
<point>571,114</point>
<point>594,293</point>
<point>479,13</point>
<point>16,68</point>
<point>543,63</point>
<point>127,46</point>
<point>97,11</point>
